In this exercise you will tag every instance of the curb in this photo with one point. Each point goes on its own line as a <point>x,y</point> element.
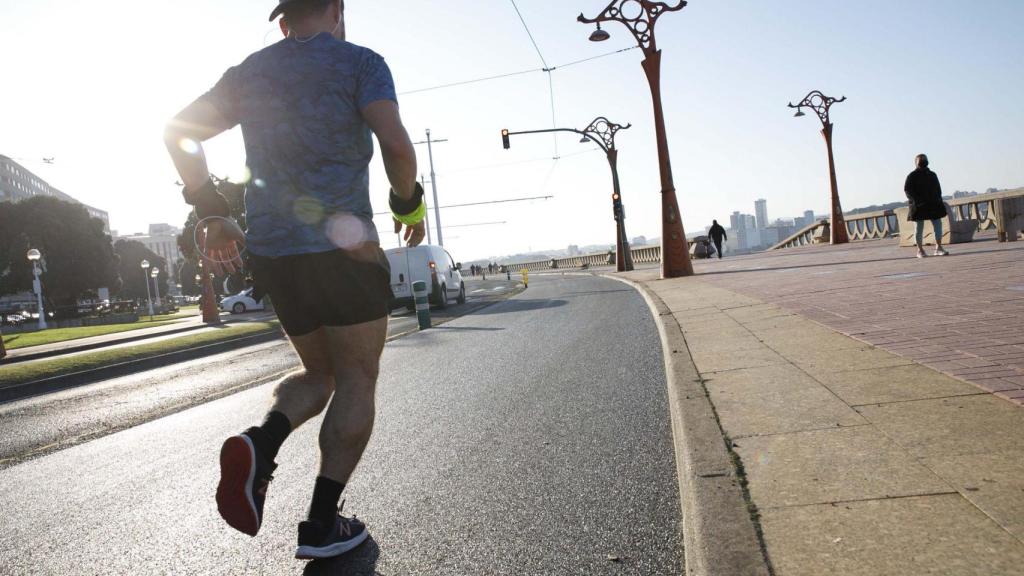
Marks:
<point>65,381</point>
<point>719,536</point>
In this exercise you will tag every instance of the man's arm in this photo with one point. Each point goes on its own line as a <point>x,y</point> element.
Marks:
<point>184,135</point>
<point>399,158</point>
<point>395,146</point>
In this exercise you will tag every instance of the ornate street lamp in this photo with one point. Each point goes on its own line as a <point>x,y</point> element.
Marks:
<point>145,276</point>
<point>820,103</point>
<point>33,256</point>
<point>640,16</point>
<point>601,132</point>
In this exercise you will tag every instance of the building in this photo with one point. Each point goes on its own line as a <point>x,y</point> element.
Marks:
<point>638,241</point>
<point>163,240</point>
<point>761,210</point>
<point>573,250</point>
<point>18,183</point>
<point>808,217</point>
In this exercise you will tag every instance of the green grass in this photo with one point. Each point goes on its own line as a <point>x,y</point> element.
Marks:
<point>24,340</point>
<point>31,371</point>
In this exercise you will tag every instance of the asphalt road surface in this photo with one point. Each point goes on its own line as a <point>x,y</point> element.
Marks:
<point>42,424</point>
<point>530,437</point>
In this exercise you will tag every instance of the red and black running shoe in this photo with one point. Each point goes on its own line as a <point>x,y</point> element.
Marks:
<point>244,477</point>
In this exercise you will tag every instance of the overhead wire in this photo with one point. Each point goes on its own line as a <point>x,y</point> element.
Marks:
<point>547,70</point>
<point>511,74</point>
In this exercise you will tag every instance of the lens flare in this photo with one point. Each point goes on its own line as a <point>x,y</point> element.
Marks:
<point>188,145</point>
<point>347,231</point>
<point>308,210</point>
<point>240,175</point>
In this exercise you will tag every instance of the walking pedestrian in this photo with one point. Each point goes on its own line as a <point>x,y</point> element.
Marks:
<point>924,196</point>
<point>307,106</point>
<point>717,234</point>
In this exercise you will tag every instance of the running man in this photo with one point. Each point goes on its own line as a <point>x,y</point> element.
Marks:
<point>307,106</point>
<point>717,234</point>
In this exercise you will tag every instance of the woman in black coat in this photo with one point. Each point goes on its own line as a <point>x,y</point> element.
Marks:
<point>924,195</point>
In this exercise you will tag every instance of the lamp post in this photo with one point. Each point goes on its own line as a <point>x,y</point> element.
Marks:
<point>820,103</point>
<point>640,16</point>
<point>33,256</point>
<point>211,314</point>
<point>145,276</point>
<point>155,273</point>
<point>601,132</point>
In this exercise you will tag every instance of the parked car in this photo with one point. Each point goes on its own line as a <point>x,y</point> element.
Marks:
<point>241,302</point>
<point>431,264</point>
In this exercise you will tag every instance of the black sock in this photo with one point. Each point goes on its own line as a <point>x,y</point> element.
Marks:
<point>268,438</point>
<point>324,506</point>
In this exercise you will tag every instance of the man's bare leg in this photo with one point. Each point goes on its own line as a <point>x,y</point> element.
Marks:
<point>348,423</point>
<point>303,394</point>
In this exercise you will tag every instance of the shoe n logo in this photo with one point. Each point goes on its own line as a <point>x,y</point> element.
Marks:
<point>344,529</point>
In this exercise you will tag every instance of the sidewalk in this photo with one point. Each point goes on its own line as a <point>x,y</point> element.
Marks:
<point>859,459</point>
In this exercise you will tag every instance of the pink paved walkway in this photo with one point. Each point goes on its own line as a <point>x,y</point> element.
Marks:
<point>961,314</point>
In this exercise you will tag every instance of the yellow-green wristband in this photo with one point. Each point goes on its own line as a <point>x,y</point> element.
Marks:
<point>413,218</point>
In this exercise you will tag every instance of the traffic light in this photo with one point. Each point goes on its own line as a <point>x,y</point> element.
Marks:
<point>504,138</point>
<point>616,205</point>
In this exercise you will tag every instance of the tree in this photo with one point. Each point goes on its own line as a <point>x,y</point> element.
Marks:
<point>77,254</point>
<point>131,254</point>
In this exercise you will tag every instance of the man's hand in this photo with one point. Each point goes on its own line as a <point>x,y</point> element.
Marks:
<point>220,245</point>
<point>413,234</point>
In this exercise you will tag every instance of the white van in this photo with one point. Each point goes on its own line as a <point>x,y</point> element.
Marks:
<point>431,264</point>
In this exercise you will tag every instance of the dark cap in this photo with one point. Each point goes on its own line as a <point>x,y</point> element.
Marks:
<point>280,8</point>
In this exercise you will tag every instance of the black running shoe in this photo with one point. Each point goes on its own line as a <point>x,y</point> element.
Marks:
<point>244,477</point>
<point>317,541</point>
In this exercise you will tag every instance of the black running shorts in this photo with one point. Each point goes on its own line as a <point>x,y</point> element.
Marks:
<point>337,288</point>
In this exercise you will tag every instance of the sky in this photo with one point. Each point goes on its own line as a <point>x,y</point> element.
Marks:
<point>93,89</point>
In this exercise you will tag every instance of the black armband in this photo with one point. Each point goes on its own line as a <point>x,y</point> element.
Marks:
<point>208,201</point>
<point>401,206</point>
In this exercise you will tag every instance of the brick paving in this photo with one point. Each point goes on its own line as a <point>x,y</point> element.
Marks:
<point>961,314</point>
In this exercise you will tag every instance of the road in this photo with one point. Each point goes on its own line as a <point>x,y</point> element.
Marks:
<point>531,437</point>
<point>38,425</point>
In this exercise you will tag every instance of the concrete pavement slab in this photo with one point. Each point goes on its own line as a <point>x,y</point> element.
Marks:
<point>775,400</point>
<point>713,360</point>
<point>941,535</point>
<point>950,426</point>
<point>993,482</point>
<point>833,465</point>
<point>893,384</point>
<point>818,362</point>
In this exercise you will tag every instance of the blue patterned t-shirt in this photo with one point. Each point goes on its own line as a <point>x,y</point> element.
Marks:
<point>308,148</point>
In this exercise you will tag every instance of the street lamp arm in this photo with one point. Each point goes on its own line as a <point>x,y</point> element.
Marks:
<point>641,25</point>
<point>573,130</point>
<point>820,103</point>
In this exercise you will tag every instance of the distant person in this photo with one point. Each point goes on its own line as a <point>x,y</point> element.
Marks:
<point>717,234</point>
<point>924,195</point>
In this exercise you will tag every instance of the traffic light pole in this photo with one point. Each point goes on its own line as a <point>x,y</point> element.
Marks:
<point>601,132</point>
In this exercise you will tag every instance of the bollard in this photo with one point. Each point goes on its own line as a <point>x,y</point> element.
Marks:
<point>526,277</point>
<point>3,349</point>
<point>419,292</point>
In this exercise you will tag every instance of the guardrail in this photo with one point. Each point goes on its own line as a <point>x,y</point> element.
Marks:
<point>810,234</point>
<point>643,254</point>
<point>885,223</point>
<point>872,225</point>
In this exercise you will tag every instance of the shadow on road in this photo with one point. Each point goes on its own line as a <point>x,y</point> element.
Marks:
<point>360,562</point>
<point>512,306</point>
